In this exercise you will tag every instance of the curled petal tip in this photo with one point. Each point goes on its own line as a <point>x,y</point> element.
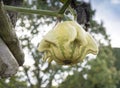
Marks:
<point>92,45</point>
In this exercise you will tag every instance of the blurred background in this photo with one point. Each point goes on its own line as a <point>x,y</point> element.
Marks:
<point>101,71</point>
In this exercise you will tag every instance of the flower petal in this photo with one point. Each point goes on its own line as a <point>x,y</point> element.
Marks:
<point>44,45</point>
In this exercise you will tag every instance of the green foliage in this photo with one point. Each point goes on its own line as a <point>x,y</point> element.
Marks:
<point>116,52</point>
<point>12,82</point>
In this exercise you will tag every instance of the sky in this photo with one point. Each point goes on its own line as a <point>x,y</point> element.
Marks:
<point>108,11</point>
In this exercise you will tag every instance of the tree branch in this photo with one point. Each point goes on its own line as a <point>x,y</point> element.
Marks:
<point>8,35</point>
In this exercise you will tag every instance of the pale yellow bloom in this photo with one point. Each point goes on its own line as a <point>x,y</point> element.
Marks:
<point>67,43</point>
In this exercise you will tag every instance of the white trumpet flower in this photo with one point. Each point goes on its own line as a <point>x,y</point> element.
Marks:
<point>67,43</point>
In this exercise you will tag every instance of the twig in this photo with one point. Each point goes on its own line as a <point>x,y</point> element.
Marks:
<point>31,11</point>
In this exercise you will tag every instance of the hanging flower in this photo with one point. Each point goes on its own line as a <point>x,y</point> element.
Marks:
<point>67,43</point>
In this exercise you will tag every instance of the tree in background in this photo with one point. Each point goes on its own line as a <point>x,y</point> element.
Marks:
<point>96,73</point>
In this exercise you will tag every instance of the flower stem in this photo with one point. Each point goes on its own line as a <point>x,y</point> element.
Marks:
<point>31,11</point>
<point>64,7</point>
